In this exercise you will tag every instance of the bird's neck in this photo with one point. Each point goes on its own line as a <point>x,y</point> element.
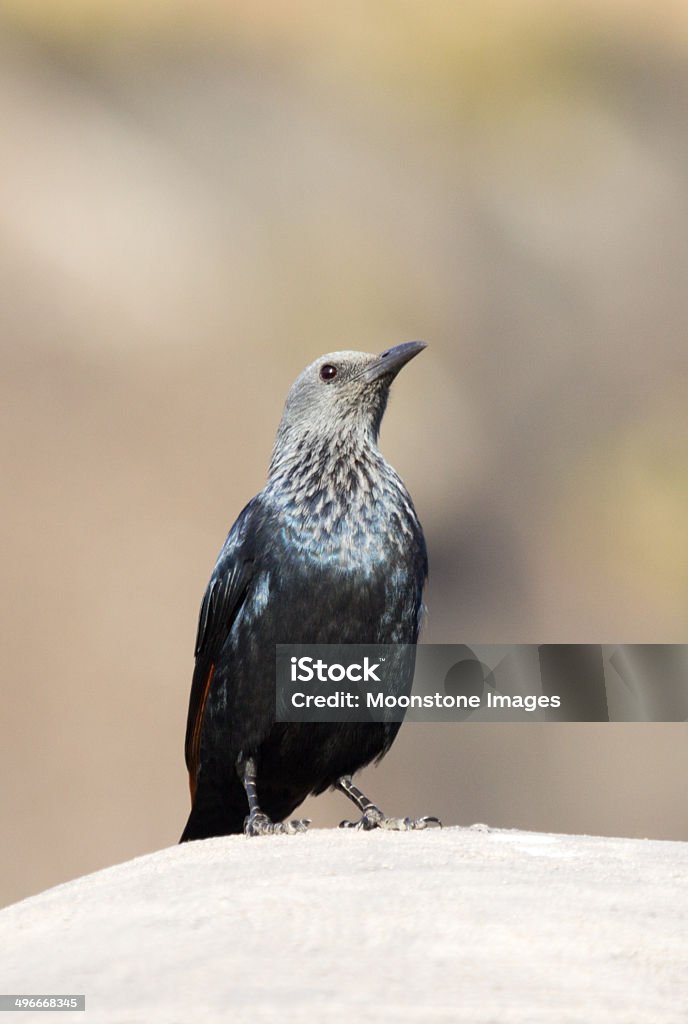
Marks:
<point>342,466</point>
<point>339,500</point>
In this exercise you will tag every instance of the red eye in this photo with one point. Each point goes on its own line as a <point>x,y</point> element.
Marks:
<point>328,372</point>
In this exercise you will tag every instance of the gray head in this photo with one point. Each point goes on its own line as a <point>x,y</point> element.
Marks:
<point>341,397</point>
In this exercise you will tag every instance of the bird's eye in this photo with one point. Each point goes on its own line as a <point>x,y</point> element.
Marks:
<point>328,372</point>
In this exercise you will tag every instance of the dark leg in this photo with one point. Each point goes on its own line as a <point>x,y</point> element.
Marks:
<point>372,816</point>
<point>257,823</point>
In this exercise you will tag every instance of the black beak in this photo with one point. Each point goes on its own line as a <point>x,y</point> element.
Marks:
<point>390,362</point>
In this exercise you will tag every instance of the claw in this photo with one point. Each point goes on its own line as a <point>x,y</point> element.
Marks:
<point>297,825</point>
<point>429,821</point>
<point>260,825</point>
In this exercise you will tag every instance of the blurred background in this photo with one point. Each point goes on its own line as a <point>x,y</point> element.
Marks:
<point>196,201</point>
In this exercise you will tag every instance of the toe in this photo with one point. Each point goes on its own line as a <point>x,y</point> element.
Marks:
<point>298,825</point>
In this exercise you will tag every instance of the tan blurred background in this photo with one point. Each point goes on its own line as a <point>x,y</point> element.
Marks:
<point>198,199</point>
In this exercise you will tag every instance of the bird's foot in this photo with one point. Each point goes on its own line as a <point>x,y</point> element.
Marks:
<point>374,818</point>
<point>259,824</point>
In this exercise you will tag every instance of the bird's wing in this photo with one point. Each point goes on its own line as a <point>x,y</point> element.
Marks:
<point>222,602</point>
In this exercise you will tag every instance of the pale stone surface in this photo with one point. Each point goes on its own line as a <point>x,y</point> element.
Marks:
<point>452,925</point>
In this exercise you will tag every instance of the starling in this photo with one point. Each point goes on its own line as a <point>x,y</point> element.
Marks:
<point>330,552</point>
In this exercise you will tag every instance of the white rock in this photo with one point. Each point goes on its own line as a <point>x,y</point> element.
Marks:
<point>450,925</point>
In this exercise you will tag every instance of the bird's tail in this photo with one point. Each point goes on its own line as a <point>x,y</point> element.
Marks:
<point>218,810</point>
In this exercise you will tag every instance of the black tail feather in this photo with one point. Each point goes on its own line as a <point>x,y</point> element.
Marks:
<point>217,810</point>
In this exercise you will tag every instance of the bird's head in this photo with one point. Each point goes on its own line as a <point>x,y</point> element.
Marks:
<point>342,395</point>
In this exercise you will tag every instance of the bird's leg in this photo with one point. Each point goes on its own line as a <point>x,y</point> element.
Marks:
<point>257,823</point>
<point>372,816</point>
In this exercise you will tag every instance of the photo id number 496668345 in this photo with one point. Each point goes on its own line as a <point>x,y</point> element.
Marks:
<point>42,1002</point>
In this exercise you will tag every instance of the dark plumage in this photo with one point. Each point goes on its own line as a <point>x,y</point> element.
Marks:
<point>330,551</point>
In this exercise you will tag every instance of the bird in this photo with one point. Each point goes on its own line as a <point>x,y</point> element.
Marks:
<point>330,551</point>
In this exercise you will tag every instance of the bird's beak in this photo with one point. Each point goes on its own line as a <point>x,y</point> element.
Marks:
<point>390,362</point>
